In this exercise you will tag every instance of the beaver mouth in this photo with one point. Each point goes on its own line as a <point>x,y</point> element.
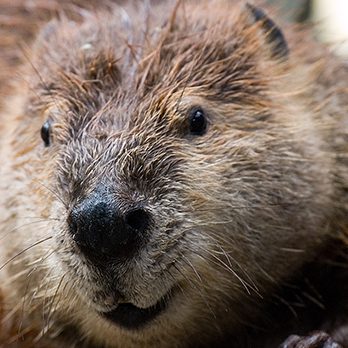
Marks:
<point>131,317</point>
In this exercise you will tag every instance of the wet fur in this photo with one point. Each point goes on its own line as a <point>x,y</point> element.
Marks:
<point>245,217</point>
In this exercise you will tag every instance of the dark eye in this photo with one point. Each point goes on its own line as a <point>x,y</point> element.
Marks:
<point>46,133</point>
<point>198,122</point>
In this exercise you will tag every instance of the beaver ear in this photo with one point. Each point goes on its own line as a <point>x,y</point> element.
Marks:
<point>274,35</point>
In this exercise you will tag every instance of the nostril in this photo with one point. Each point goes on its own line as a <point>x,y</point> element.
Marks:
<point>138,220</point>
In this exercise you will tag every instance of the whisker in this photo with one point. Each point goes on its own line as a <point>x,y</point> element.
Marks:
<point>36,217</point>
<point>228,258</point>
<point>24,250</point>
<point>23,302</point>
<point>192,267</point>
<point>236,207</point>
<point>19,227</point>
<point>55,194</point>
<point>50,312</point>
<point>245,284</point>
<point>199,289</point>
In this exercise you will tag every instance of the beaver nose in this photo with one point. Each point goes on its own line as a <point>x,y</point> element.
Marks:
<point>99,228</point>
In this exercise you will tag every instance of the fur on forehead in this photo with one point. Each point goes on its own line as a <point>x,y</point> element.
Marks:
<point>117,60</point>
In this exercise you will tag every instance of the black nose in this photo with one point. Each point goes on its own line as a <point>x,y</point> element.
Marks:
<point>100,228</point>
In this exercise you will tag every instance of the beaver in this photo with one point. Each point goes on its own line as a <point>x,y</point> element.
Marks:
<point>174,174</point>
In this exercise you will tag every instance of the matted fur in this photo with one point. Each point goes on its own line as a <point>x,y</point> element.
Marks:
<point>239,214</point>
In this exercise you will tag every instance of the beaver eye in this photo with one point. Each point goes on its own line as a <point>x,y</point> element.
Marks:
<point>46,133</point>
<point>198,122</point>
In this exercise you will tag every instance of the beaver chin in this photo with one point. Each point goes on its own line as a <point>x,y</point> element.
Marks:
<point>122,309</point>
<point>131,317</point>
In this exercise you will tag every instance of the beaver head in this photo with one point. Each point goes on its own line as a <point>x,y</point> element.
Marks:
<point>174,170</point>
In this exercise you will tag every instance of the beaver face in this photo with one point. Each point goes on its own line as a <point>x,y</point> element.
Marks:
<point>128,215</point>
<point>176,193</point>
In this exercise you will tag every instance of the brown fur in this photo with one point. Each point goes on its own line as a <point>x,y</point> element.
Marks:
<point>245,216</point>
